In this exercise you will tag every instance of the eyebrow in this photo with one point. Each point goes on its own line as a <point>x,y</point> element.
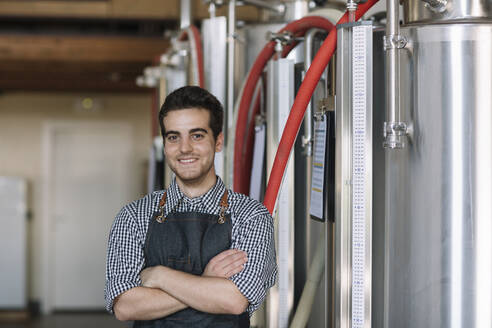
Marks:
<point>191,131</point>
<point>198,130</point>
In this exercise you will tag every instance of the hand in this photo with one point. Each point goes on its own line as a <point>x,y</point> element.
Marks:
<point>226,264</point>
<point>151,276</point>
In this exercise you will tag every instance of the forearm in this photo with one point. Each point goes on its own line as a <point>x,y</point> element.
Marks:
<point>207,294</point>
<point>142,303</point>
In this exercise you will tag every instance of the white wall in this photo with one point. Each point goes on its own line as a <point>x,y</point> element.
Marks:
<point>22,116</point>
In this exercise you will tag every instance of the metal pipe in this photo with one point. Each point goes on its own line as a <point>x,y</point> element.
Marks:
<point>351,8</point>
<point>336,4</point>
<point>231,40</point>
<point>212,9</point>
<point>395,131</point>
<point>307,140</point>
<point>315,273</point>
<point>392,72</point>
<point>196,69</point>
<point>185,12</point>
<point>278,8</point>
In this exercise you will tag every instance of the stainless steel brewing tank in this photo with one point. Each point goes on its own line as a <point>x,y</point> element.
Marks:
<point>419,11</point>
<point>439,188</point>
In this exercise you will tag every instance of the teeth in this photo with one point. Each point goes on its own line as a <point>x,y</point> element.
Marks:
<point>186,160</point>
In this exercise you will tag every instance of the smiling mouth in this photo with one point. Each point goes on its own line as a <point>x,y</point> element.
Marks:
<point>187,160</point>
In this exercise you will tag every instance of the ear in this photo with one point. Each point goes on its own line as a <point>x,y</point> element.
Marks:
<point>219,142</point>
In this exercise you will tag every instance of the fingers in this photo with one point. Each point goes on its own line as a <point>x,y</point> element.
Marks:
<point>234,259</point>
<point>234,271</point>
<point>145,277</point>
<point>225,258</point>
<point>226,263</point>
<point>232,264</point>
<point>150,276</point>
<point>235,266</point>
<point>222,255</point>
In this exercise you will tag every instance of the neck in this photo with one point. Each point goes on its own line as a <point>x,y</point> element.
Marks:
<point>196,188</point>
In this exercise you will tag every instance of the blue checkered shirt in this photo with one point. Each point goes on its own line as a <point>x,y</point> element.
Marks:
<point>252,232</point>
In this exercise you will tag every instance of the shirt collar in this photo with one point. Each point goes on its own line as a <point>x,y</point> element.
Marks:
<point>212,196</point>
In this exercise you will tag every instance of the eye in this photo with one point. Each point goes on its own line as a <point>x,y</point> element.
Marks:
<point>172,138</point>
<point>197,136</point>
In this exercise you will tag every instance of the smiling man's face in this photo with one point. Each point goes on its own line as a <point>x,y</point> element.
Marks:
<point>190,146</point>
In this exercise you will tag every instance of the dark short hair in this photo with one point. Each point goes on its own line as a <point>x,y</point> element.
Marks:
<point>194,97</point>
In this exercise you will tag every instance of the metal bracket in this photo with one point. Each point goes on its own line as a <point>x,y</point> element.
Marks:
<point>213,5</point>
<point>395,134</point>
<point>394,41</point>
<point>276,7</point>
<point>326,104</point>
<point>282,39</point>
<point>260,120</point>
<point>214,2</point>
<point>151,76</point>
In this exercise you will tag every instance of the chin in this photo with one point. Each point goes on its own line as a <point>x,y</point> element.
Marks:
<point>191,177</point>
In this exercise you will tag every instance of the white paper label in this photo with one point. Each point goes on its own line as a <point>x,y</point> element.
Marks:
<point>318,172</point>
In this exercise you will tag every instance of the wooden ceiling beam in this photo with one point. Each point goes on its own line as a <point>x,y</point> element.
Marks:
<point>59,67</point>
<point>68,84</point>
<point>95,9</point>
<point>80,48</point>
<point>66,76</point>
<point>72,63</point>
<point>114,9</point>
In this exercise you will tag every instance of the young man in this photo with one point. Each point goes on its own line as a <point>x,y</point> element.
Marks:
<point>196,254</point>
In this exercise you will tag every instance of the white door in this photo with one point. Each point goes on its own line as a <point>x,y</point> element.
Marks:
<point>92,174</point>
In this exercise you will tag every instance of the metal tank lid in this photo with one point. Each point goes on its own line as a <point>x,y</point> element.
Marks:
<point>446,11</point>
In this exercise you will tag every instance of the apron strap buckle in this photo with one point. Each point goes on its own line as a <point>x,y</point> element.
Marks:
<point>221,219</point>
<point>223,207</point>
<point>161,218</point>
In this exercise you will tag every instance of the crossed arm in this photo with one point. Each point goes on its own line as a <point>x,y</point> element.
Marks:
<point>166,291</point>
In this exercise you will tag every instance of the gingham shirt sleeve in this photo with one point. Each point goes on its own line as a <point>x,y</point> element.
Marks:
<point>125,257</point>
<point>256,238</point>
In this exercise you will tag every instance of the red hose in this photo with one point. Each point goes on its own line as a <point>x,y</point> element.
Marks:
<point>199,51</point>
<point>298,27</point>
<point>299,107</point>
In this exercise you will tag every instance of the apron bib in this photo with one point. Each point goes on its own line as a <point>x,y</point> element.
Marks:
<point>187,241</point>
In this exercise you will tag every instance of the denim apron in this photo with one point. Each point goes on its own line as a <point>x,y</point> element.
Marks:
<point>187,241</point>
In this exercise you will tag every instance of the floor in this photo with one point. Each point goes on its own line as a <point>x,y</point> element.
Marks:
<point>66,320</point>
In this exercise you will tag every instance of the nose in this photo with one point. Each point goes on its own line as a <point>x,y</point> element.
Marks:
<point>185,145</point>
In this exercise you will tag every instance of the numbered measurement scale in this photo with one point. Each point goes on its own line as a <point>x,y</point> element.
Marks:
<point>354,174</point>
<point>359,178</point>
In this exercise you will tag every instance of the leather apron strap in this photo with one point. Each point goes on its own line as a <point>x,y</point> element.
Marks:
<point>224,204</point>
